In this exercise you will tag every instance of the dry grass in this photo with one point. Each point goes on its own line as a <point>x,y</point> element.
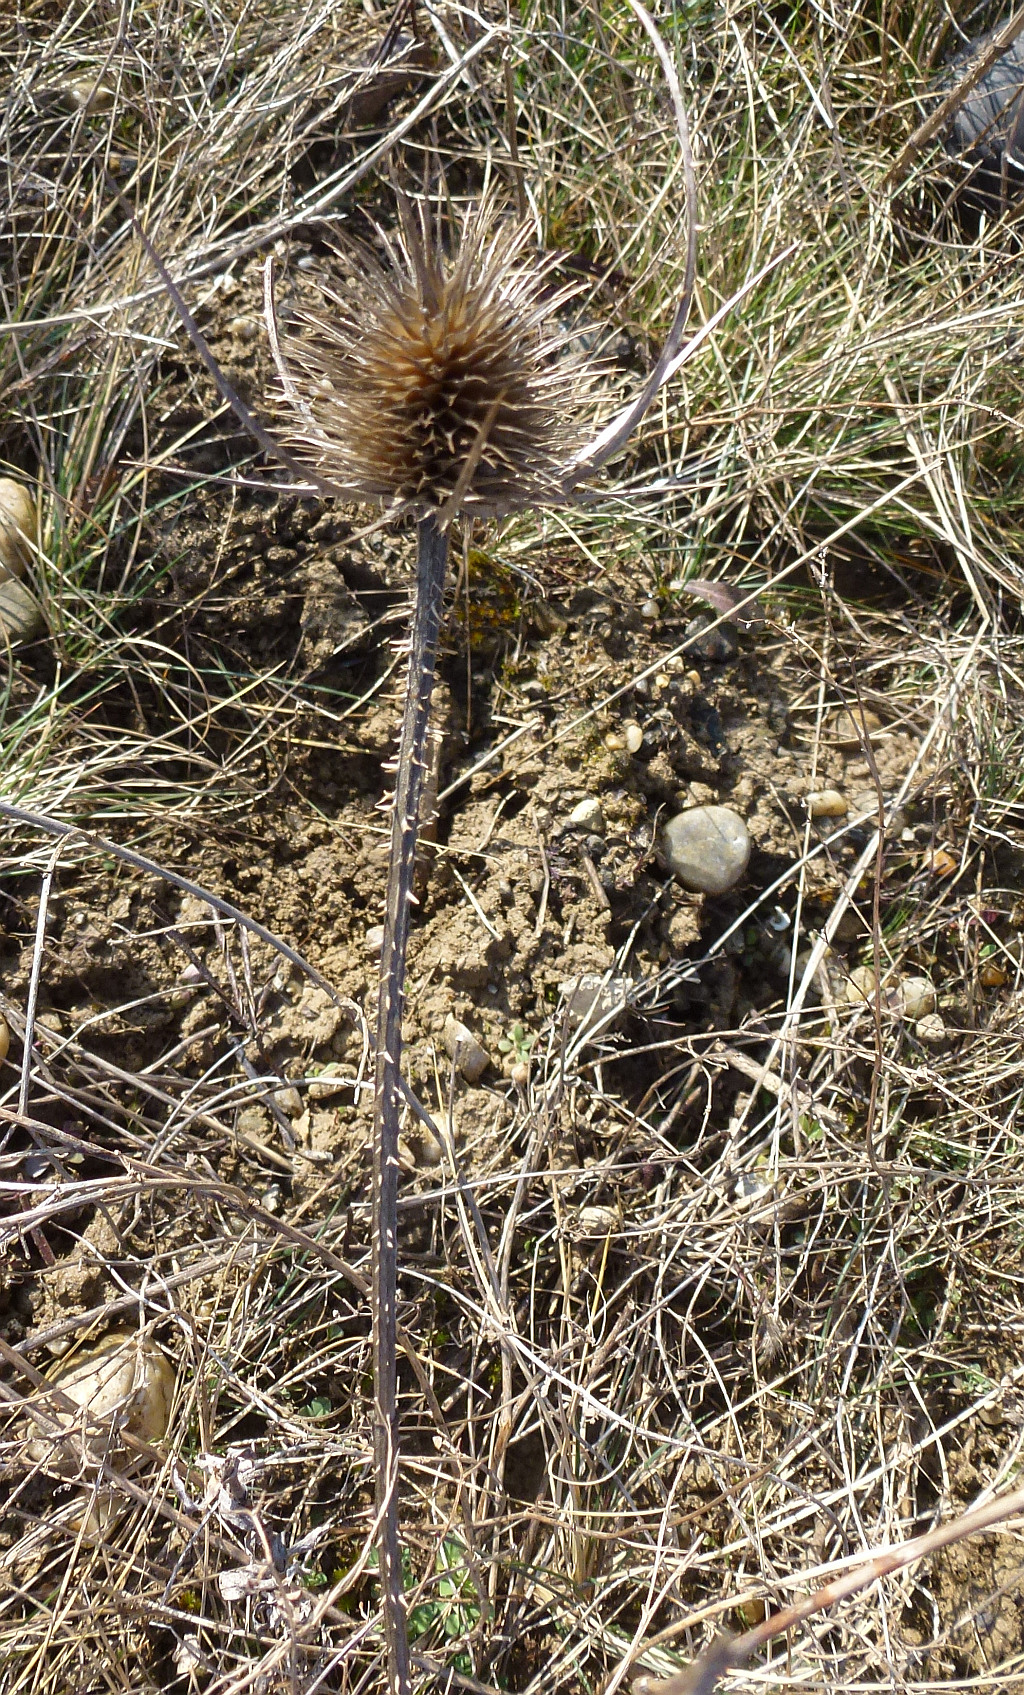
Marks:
<point>675,1344</point>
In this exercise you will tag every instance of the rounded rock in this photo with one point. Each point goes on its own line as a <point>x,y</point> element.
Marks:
<point>462,1047</point>
<point>707,848</point>
<point>634,737</point>
<point>19,525</point>
<point>853,729</point>
<point>861,985</point>
<point>126,1383</point>
<point>587,814</point>
<point>930,1029</point>
<point>373,941</point>
<point>710,639</point>
<point>428,1150</point>
<point>21,616</point>
<point>827,803</point>
<point>91,97</point>
<point>917,997</point>
<point>289,1101</point>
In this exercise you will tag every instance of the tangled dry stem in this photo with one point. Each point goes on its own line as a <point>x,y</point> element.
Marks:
<point>713,1389</point>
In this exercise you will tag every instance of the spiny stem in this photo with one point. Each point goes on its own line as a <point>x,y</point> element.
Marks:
<point>431,567</point>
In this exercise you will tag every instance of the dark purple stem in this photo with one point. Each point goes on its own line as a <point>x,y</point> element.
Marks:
<point>431,569</point>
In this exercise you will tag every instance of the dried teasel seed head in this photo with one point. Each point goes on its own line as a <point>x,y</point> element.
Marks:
<point>442,383</point>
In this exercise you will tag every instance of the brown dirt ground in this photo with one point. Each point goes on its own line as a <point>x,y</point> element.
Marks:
<point>514,900</point>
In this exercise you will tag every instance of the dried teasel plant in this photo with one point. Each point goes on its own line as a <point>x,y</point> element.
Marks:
<point>441,384</point>
<point>437,386</point>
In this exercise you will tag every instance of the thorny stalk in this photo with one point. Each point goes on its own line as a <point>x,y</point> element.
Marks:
<point>431,566</point>
<point>429,355</point>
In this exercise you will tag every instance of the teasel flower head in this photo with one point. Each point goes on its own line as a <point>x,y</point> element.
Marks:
<point>439,384</point>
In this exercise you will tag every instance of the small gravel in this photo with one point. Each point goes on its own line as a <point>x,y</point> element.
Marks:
<point>707,848</point>
<point>827,803</point>
<point>470,1057</point>
<point>587,814</point>
<point>917,997</point>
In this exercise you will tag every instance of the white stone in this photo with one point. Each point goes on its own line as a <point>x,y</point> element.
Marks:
<point>930,1029</point>
<point>917,997</point>
<point>827,803</point>
<point>707,848</point>
<point>587,814</point>
<point>634,737</point>
<point>861,985</point>
<point>461,1046</point>
<point>124,1384</point>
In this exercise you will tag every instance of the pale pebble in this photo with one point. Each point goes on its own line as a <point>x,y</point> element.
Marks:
<point>91,97</point>
<point>827,803</point>
<point>21,616</point>
<point>289,1101</point>
<point>634,737</point>
<point>917,997</point>
<point>707,848</point>
<point>125,1383</point>
<point>471,1059</point>
<point>587,814</point>
<point>930,1029</point>
<point>861,985</point>
<point>19,525</point>
<point>594,1000</point>
<point>598,1222</point>
<point>852,729</point>
<point>330,1081</point>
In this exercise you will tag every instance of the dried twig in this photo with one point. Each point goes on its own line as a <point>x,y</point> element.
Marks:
<point>727,1652</point>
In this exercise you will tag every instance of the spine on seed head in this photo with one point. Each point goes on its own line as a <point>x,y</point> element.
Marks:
<point>435,384</point>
